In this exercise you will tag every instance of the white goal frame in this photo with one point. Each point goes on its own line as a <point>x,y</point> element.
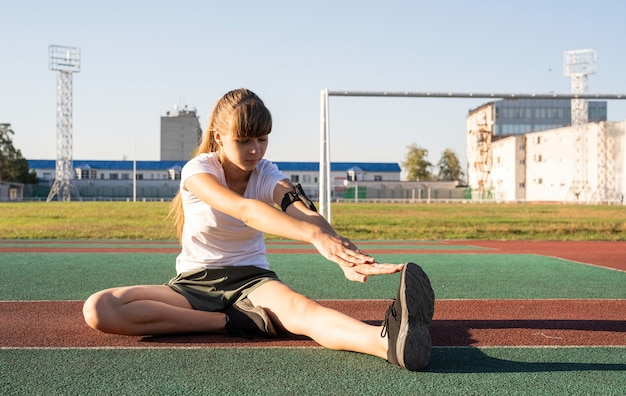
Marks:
<point>324,175</point>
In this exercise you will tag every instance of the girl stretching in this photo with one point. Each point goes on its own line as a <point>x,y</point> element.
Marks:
<point>226,203</point>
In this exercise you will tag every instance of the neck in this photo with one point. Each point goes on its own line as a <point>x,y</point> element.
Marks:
<point>236,178</point>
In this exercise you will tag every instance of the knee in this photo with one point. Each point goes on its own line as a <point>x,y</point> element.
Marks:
<point>302,311</point>
<point>97,308</point>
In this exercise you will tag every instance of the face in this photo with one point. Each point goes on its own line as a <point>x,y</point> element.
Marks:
<point>242,152</point>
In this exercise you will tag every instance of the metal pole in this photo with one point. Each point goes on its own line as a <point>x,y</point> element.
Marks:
<point>322,177</point>
<point>134,156</point>
<point>327,160</point>
<point>324,191</point>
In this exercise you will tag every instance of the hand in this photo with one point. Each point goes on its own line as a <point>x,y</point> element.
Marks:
<point>355,264</point>
<point>340,250</point>
<point>359,273</point>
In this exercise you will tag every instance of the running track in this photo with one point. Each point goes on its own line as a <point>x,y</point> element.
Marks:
<point>54,324</point>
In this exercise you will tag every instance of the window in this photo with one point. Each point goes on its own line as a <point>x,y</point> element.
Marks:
<point>85,173</point>
<point>114,176</point>
<point>553,112</point>
<point>295,178</point>
<point>378,178</point>
<point>306,178</point>
<point>174,174</point>
<point>14,193</point>
<point>540,113</point>
<point>125,176</point>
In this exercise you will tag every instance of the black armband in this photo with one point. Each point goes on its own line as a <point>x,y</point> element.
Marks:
<point>298,195</point>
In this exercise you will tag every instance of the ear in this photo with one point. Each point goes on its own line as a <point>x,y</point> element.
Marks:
<point>218,138</point>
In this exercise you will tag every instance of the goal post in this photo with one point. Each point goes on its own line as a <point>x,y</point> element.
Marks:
<point>325,187</point>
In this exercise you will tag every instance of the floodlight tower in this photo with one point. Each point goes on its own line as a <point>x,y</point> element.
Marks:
<point>578,64</point>
<point>65,61</point>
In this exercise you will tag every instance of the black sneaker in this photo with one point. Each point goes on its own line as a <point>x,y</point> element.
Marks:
<point>407,320</point>
<point>247,321</point>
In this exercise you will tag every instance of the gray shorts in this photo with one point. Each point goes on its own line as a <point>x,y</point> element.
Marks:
<point>217,288</point>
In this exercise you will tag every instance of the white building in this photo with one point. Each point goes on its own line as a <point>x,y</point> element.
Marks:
<point>542,166</point>
<point>508,170</point>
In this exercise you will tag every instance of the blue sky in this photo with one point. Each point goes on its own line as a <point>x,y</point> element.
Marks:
<point>140,59</point>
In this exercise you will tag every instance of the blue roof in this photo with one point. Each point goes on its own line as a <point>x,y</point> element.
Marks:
<point>339,166</point>
<point>110,165</point>
<point>165,165</point>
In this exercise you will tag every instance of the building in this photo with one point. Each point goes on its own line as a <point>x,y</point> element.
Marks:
<point>180,134</point>
<point>517,117</point>
<point>508,172</point>
<point>11,191</point>
<point>540,166</point>
<point>113,180</point>
<point>499,167</point>
<point>307,174</point>
<point>552,158</point>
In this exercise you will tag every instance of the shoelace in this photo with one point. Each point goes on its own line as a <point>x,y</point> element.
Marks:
<point>390,311</point>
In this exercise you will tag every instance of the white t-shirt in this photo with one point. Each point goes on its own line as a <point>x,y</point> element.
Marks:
<point>211,237</point>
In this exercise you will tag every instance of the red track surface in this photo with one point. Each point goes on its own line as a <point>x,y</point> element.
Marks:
<point>456,323</point>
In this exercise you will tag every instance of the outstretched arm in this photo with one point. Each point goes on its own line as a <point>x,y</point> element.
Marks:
<point>329,240</point>
<point>298,223</point>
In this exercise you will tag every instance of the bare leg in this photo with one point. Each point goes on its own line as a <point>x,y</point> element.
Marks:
<point>300,315</point>
<point>148,310</point>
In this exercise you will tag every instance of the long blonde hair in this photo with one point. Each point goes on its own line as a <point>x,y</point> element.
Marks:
<point>239,112</point>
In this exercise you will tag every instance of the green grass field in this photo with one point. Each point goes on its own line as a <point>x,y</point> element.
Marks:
<point>359,221</point>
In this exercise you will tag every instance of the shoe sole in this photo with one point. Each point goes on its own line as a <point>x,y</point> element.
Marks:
<point>417,300</point>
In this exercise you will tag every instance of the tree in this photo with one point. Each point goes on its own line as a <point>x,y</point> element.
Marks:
<point>449,166</point>
<point>13,166</point>
<point>416,163</point>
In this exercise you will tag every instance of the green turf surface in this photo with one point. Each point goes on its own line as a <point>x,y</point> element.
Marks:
<point>302,371</point>
<point>453,371</point>
<point>74,276</point>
